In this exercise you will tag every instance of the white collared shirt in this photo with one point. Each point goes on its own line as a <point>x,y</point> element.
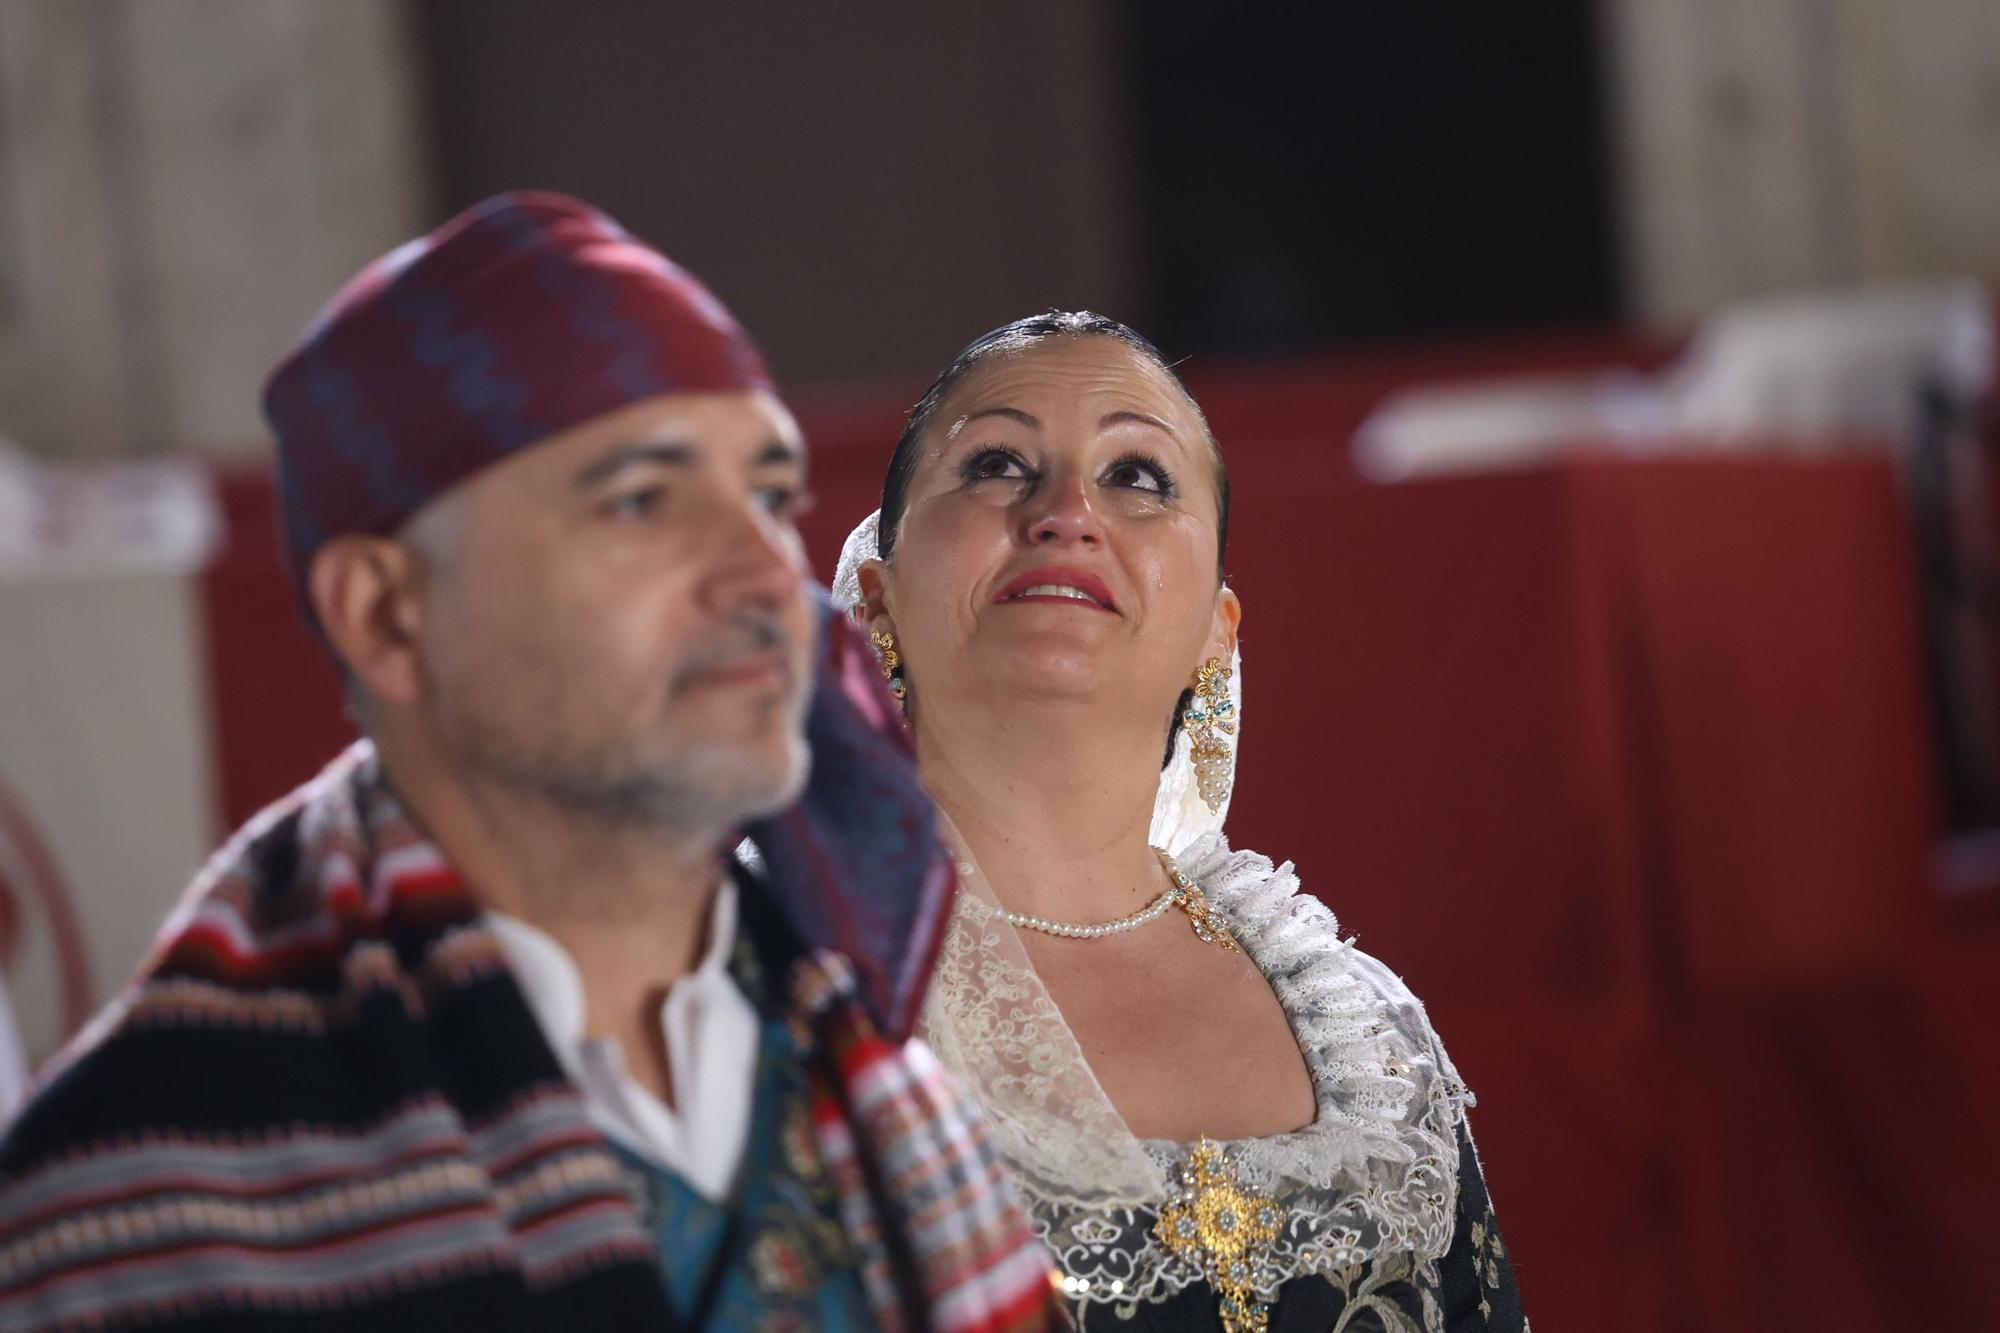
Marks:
<point>711,1035</point>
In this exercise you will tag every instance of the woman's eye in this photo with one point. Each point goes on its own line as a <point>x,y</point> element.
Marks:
<point>1140,474</point>
<point>996,465</point>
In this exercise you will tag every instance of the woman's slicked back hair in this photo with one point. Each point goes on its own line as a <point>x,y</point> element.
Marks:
<point>1006,340</point>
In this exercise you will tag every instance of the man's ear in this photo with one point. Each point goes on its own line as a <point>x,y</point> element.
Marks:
<point>872,611</point>
<point>1228,619</point>
<point>367,595</point>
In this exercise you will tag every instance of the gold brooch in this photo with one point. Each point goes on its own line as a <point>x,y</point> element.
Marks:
<point>1202,918</point>
<point>1219,1225</point>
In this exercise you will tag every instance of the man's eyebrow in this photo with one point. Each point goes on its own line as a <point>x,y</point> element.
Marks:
<point>671,453</point>
<point>1011,413</point>
<point>779,451</point>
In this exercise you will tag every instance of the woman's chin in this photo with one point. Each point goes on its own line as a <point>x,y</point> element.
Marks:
<point>1051,672</point>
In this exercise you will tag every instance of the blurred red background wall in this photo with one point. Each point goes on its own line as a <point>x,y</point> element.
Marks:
<point>1625,766</point>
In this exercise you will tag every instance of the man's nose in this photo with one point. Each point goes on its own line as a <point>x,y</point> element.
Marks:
<point>755,559</point>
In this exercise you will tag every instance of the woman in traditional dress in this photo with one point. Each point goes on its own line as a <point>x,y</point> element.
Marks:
<point>1222,1114</point>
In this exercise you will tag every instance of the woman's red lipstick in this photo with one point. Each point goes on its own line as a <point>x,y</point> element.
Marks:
<point>1058,576</point>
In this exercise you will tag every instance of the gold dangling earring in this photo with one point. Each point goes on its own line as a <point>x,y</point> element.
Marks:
<point>1209,718</point>
<point>892,662</point>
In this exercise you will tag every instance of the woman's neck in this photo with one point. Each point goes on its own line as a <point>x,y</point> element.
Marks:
<point>1054,804</point>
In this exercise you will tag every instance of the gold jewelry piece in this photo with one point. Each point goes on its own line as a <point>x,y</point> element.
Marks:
<point>1072,931</point>
<point>1202,918</point>
<point>892,662</point>
<point>1182,892</point>
<point>1209,718</point>
<point>1223,1228</point>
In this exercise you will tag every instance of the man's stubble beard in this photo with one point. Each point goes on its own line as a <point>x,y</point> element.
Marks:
<point>689,787</point>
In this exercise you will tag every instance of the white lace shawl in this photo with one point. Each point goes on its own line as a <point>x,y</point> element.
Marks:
<point>1374,1177</point>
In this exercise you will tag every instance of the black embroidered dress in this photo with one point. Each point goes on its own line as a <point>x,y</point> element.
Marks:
<point>1372,1219</point>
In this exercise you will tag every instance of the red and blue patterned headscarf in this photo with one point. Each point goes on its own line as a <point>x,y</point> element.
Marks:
<point>518,319</point>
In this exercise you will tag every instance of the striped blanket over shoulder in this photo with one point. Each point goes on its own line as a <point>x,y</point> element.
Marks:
<point>325,1104</point>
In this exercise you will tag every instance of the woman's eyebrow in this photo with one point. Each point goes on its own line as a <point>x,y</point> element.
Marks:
<point>1011,413</point>
<point>1135,418</point>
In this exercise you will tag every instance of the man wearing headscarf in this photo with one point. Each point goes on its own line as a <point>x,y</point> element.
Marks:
<point>485,1027</point>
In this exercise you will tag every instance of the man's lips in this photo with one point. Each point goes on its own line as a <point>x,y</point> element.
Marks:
<point>760,668</point>
<point>1056,583</point>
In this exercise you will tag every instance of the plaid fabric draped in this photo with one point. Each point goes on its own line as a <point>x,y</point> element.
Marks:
<point>325,1103</point>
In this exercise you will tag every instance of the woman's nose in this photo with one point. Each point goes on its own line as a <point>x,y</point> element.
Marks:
<point>1065,514</point>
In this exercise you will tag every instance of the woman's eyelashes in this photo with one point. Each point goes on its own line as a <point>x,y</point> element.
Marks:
<point>996,464</point>
<point>1132,471</point>
<point>1139,472</point>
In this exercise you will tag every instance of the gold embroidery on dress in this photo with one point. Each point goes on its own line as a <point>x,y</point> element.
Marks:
<point>1219,1225</point>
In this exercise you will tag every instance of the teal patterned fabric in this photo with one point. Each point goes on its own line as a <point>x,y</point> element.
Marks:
<point>775,1257</point>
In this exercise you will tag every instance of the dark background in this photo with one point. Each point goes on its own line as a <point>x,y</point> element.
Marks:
<point>1308,181</point>
<point>1233,180</point>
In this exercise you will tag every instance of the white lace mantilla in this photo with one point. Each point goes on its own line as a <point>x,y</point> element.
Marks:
<point>1373,1180</point>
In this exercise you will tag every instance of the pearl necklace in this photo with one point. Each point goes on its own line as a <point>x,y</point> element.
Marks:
<point>1072,931</point>
<point>1182,893</point>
